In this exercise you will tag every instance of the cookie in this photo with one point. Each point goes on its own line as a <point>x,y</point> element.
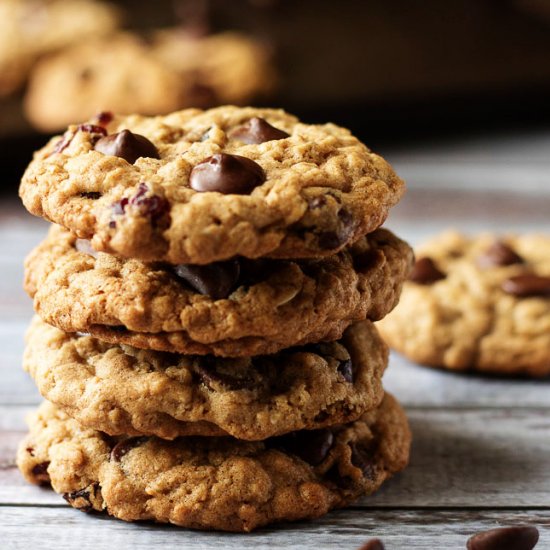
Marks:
<point>155,75</point>
<point>231,308</point>
<point>204,186</point>
<point>124,390</point>
<point>29,30</point>
<point>480,303</point>
<point>215,483</point>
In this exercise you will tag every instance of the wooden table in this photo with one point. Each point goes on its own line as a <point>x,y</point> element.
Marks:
<point>481,448</point>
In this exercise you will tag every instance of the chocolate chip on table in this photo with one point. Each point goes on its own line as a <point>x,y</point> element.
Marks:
<point>84,246</point>
<point>520,537</point>
<point>425,272</point>
<point>127,145</point>
<point>228,174</point>
<point>217,280</point>
<point>210,376</point>
<point>499,254</point>
<point>312,446</point>
<point>372,544</point>
<point>258,130</point>
<point>527,285</point>
<point>125,446</point>
<point>335,239</point>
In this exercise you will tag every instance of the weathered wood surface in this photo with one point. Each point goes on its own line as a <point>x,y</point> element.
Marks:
<point>481,445</point>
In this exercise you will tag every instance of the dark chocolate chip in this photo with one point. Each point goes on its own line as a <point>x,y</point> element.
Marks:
<point>367,260</point>
<point>527,285</point>
<point>425,272</point>
<point>373,544</point>
<point>345,368</point>
<point>257,130</point>
<point>217,280</point>
<point>226,174</point>
<point>499,254</point>
<point>84,246</point>
<point>312,446</point>
<point>362,458</point>
<point>40,472</point>
<point>335,239</point>
<point>127,145</point>
<point>104,117</point>
<point>125,446</point>
<point>210,376</point>
<point>81,499</point>
<point>92,195</point>
<point>521,537</point>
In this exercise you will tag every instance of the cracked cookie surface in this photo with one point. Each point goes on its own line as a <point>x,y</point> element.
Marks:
<point>479,303</point>
<point>227,182</point>
<point>215,483</point>
<point>264,307</point>
<point>124,390</point>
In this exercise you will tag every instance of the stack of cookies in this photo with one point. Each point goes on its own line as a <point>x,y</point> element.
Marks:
<point>204,334</point>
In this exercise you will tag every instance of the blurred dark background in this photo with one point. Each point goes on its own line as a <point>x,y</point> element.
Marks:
<point>395,72</point>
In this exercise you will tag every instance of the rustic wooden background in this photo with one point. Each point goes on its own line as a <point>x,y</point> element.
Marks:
<point>481,448</point>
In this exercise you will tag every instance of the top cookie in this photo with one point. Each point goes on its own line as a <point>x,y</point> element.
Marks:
<point>478,303</point>
<point>202,186</point>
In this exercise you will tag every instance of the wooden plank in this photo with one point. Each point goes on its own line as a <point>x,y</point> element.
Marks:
<point>481,457</point>
<point>63,528</point>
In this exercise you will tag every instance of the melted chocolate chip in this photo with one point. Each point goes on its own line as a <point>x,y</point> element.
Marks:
<point>361,458</point>
<point>210,376</point>
<point>521,537</point>
<point>81,499</point>
<point>335,239</point>
<point>84,246</point>
<point>425,272</point>
<point>527,285</point>
<point>228,174</point>
<point>40,472</point>
<point>499,254</point>
<point>258,130</point>
<point>373,544</point>
<point>125,446</point>
<point>217,280</point>
<point>312,446</point>
<point>127,145</point>
<point>345,368</point>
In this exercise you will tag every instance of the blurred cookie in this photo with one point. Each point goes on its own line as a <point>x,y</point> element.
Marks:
<point>32,28</point>
<point>480,303</point>
<point>204,186</point>
<point>215,483</point>
<point>124,390</point>
<point>128,74</point>
<point>235,308</point>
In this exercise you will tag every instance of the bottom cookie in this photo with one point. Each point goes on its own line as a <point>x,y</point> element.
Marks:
<point>215,482</point>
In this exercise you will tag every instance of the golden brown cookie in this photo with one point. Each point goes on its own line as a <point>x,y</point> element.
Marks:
<point>204,186</point>
<point>215,483</point>
<point>233,308</point>
<point>124,390</point>
<point>479,303</point>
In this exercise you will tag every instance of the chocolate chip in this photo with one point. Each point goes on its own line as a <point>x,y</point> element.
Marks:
<point>373,544</point>
<point>499,254</point>
<point>125,446</point>
<point>312,446</point>
<point>40,472</point>
<point>210,377</point>
<point>521,537</point>
<point>364,261</point>
<point>127,145</point>
<point>258,130</point>
<point>84,246</point>
<point>335,239</point>
<point>226,174</point>
<point>81,499</point>
<point>92,195</point>
<point>361,457</point>
<point>527,285</point>
<point>217,280</point>
<point>345,368</point>
<point>425,272</point>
